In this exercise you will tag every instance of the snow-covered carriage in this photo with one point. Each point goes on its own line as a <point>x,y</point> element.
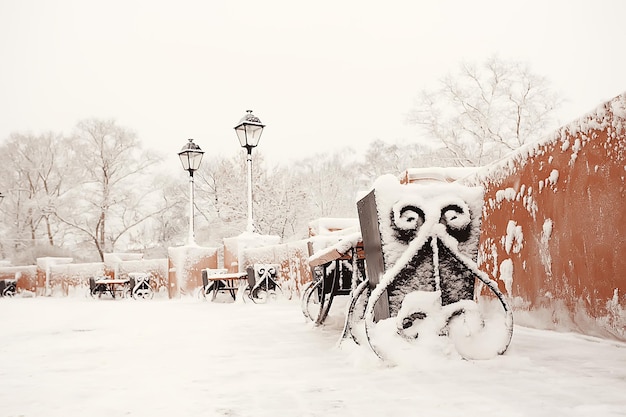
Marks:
<point>423,282</point>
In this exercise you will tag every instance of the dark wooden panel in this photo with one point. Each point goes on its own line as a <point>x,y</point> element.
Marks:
<point>372,244</point>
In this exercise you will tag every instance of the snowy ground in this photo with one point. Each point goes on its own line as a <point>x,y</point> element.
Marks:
<point>83,357</point>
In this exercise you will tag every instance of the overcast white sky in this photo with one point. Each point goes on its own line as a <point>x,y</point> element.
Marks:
<point>320,74</point>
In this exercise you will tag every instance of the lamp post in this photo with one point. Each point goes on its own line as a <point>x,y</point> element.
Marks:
<point>249,132</point>
<point>191,156</point>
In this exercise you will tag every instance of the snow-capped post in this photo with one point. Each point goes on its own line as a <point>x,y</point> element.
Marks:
<point>249,132</point>
<point>191,156</point>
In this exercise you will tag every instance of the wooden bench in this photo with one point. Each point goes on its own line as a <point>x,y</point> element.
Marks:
<point>102,285</point>
<point>214,281</point>
<point>331,276</point>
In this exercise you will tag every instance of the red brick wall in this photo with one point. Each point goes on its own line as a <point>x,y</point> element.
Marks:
<point>566,196</point>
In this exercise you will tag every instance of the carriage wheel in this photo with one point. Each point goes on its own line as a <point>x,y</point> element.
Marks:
<point>326,300</point>
<point>307,299</point>
<point>201,294</point>
<point>304,299</point>
<point>356,310</point>
<point>260,295</point>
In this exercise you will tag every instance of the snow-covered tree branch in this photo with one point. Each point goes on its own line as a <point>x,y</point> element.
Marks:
<point>480,113</point>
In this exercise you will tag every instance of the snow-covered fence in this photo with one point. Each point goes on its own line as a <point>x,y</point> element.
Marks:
<point>553,225</point>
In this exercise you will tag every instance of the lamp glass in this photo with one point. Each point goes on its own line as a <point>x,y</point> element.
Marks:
<point>249,130</point>
<point>191,156</point>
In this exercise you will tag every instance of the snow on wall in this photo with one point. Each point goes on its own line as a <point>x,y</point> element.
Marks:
<point>553,218</point>
<point>26,276</point>
<point>70,279</point>
<point>158,268</point>
<point>292,257</point>
<point>234,248</point>
<point>43,272</point>
<point>113,260</point>
<point>185,265</point>
<point>59,276</point>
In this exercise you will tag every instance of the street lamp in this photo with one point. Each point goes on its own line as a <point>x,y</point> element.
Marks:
<point>249,132</point>
<point>191,156</point>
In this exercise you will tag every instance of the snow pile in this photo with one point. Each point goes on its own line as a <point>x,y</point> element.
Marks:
<point>437,334</point>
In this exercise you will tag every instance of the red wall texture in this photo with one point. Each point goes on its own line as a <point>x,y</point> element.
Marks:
<point>554,223</point>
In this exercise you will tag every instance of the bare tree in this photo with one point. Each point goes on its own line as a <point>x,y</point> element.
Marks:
<point>222,193</point>
<point>115,194</point>
<point>220,199</point>
<point>168,225</point>
<point>483,112</point>
<point>330,183</point>
<point>283,203</point>
<point>34,177</point>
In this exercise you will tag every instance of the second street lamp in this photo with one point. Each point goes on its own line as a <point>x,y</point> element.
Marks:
<point>249,132</point>
<point>191,156</point>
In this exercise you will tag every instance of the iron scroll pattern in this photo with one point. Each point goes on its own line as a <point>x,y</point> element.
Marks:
<point>434,245</point>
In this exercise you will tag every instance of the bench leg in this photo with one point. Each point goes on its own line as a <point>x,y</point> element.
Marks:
<point>216,288</point>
